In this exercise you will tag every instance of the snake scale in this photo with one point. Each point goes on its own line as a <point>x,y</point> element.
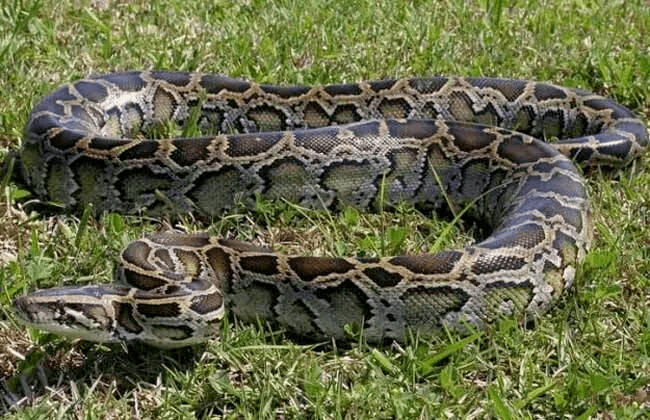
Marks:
<point>469,143</point>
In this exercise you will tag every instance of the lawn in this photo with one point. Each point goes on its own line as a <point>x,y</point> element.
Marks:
<point>589,357</point>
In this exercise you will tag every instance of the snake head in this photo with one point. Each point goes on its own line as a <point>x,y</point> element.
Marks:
<point>115,313</point>
<point>78,312</point>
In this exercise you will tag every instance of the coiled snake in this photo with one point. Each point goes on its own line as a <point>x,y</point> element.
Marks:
<point>432,142</point>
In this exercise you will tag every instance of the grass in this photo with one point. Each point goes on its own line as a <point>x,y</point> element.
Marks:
<point>588,358</point>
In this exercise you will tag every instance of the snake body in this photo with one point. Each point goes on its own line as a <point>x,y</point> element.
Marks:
<point>469,143</point>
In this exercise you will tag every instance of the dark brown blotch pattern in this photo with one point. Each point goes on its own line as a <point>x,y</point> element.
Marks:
<point>154,310</point>
<point>124,316</point>
<point>440,263</point>
<point>382,277</point>
<point>205,304</point>
<point>262,264</point>
<point>308,268</point>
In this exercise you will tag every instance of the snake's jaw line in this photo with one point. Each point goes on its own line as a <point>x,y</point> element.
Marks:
<point>365,145</point>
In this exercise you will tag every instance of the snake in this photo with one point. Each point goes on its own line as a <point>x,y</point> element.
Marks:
<point>503,152</point>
